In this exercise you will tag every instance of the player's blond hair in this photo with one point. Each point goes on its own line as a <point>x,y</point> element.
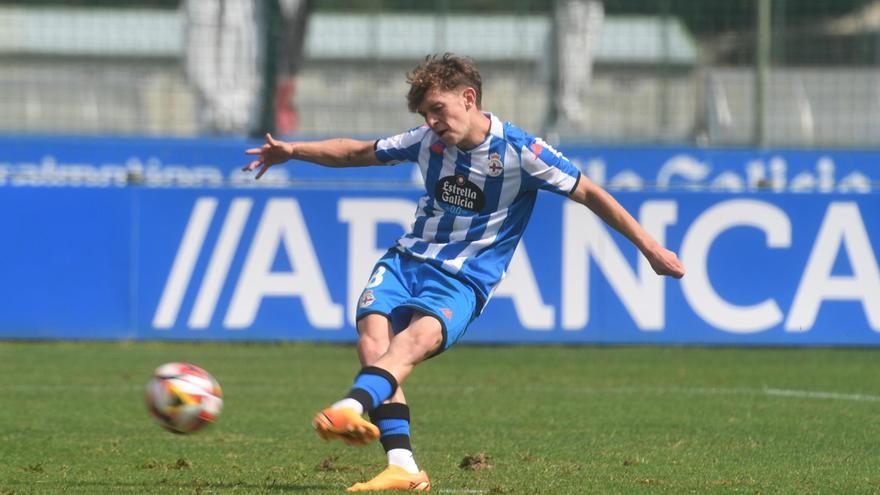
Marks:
<point>445,72</point>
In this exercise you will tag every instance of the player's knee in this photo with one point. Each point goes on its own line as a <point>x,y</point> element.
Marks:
<point>372,344</point>
<point>373,338</point>
<point>422,342</point>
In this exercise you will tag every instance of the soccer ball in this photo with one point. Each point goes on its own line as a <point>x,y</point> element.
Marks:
<point>183,397</point>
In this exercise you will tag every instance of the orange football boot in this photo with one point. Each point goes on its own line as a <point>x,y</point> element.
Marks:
<point>346,425</point>
<point>394,478</point>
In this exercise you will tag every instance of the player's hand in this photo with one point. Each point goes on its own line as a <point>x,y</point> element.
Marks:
<point>271,153</point>
<point>665,262</point>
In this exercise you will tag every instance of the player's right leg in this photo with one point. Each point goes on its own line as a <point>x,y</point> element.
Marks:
<point>374,337</point>
<point>343,420</point>
<point>392,417</point>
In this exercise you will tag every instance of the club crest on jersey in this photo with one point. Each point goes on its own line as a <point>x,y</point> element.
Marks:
<point>367,298</point>
<point>494,167</point>
<point>459,196</point>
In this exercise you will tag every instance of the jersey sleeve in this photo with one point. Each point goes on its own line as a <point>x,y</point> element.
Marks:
<point>545,168</point>
<point>402,147</point>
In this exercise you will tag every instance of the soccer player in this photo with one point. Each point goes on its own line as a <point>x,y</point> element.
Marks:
<point>481,179</point>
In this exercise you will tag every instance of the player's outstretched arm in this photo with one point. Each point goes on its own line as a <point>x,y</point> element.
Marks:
<point>338,152</point>
<point>589,194</point>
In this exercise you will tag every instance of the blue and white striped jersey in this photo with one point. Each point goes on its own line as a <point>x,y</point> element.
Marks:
<point>477,202</point>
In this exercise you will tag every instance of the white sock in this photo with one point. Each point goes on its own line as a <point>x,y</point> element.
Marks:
<point>350,404</point>
<point>403,458</point>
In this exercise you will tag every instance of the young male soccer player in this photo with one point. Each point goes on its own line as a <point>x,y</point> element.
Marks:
<point>481,180</point>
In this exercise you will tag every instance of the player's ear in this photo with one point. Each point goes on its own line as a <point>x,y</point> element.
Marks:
<point>470,97</point>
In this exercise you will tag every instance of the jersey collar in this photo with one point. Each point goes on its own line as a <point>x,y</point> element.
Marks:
<point>496,128</point>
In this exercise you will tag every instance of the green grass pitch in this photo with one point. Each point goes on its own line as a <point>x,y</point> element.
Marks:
<point>547,420</point>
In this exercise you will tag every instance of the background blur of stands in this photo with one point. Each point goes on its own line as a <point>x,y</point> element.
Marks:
<point>673,71</point>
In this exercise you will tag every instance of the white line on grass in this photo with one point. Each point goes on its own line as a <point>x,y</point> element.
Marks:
<point>766,391</point>
<point>774,392</point>
<point>821,395</point>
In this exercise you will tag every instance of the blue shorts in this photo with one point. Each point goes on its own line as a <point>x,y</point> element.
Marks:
<point>401,285</point>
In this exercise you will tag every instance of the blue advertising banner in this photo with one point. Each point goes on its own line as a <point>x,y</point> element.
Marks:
<point>65,263</point>
<point>252,264</point>
<point>129,238</point>
<point>115,162</point>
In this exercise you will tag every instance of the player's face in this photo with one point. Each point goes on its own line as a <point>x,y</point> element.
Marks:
<point>446,113</point>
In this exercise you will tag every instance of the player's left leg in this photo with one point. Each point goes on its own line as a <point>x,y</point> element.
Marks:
<point>440,313</point>
<point>394,478</point>
<point>393,419</point>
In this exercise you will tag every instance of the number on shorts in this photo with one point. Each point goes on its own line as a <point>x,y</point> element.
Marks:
<point>376,279</point>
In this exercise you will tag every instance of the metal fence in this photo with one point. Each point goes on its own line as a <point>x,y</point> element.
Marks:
<point>717,73</point>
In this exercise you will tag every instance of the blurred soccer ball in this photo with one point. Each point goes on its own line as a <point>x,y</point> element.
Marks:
<point>183,397</point>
